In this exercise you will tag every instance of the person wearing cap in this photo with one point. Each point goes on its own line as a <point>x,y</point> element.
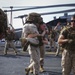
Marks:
<point>67,41</point>
<point>30,31</point>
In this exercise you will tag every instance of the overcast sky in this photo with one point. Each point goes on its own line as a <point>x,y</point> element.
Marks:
<point>17,23</point>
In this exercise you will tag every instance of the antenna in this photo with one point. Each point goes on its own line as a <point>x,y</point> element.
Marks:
<point>11,7</point>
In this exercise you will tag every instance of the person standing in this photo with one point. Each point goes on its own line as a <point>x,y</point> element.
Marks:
<point>9,37</point>
<point>30,31</point>
<point>58,28</point>
<point>43,30</point>
<point>67,41</point>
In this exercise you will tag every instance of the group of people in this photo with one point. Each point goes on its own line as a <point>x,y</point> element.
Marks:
<point>34,34</point>
<point>66,39</point>
<point>36,29</point>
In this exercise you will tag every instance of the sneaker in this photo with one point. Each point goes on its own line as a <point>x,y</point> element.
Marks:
<point>27,71</point>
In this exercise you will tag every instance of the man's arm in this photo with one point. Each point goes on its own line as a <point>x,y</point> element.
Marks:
<point>62,40</point>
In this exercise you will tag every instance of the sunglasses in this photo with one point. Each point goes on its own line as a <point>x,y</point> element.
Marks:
<point>72,20</point>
